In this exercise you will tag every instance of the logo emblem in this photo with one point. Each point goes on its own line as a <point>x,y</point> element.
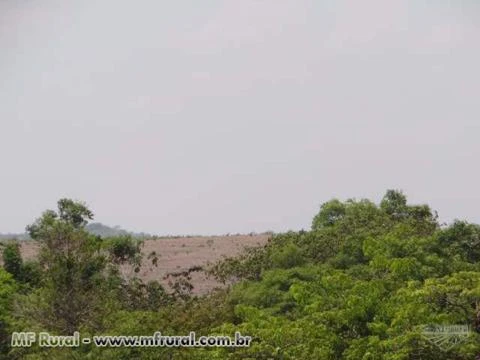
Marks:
<point>446,337</point>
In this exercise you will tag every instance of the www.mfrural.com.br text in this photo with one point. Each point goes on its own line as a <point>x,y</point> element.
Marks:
<point>45,339</point>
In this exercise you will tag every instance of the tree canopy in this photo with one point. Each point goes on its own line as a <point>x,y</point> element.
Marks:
<point>363,283</point>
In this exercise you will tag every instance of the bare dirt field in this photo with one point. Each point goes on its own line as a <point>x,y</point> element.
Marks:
<point>180,254</point>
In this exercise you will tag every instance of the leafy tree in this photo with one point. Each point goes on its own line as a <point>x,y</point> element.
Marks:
<point>371,278</point>
<point>76,292</point>
<point>8,288</point>
<point>330,212</point>
<point>27,273</point>
<point>394,203</point>
<point>463,239</point>
<point>287,257</point>
<point>12,259</point>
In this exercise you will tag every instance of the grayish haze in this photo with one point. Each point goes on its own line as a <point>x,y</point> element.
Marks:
<point>207,117</point>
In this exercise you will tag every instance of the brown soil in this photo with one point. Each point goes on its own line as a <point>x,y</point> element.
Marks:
<point>180,254</point>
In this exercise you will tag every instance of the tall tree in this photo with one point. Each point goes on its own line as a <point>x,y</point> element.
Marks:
<point>75,291</point>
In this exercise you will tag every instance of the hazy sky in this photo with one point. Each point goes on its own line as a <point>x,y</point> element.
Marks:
<point>208,117</point>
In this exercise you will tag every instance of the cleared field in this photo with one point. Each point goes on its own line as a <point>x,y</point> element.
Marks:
<point>182,253</point>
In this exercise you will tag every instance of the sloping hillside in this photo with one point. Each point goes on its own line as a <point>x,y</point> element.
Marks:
<point>178,254</point>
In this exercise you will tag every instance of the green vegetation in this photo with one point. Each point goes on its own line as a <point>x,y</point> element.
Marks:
<point>360,285</point>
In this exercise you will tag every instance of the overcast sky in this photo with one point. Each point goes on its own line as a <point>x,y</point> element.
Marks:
<point>208,117</point>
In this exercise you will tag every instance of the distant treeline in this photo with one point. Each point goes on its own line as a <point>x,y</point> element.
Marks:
<point>93,228</point>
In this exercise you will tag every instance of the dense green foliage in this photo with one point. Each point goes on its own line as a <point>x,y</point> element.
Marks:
<point>360,285</point>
